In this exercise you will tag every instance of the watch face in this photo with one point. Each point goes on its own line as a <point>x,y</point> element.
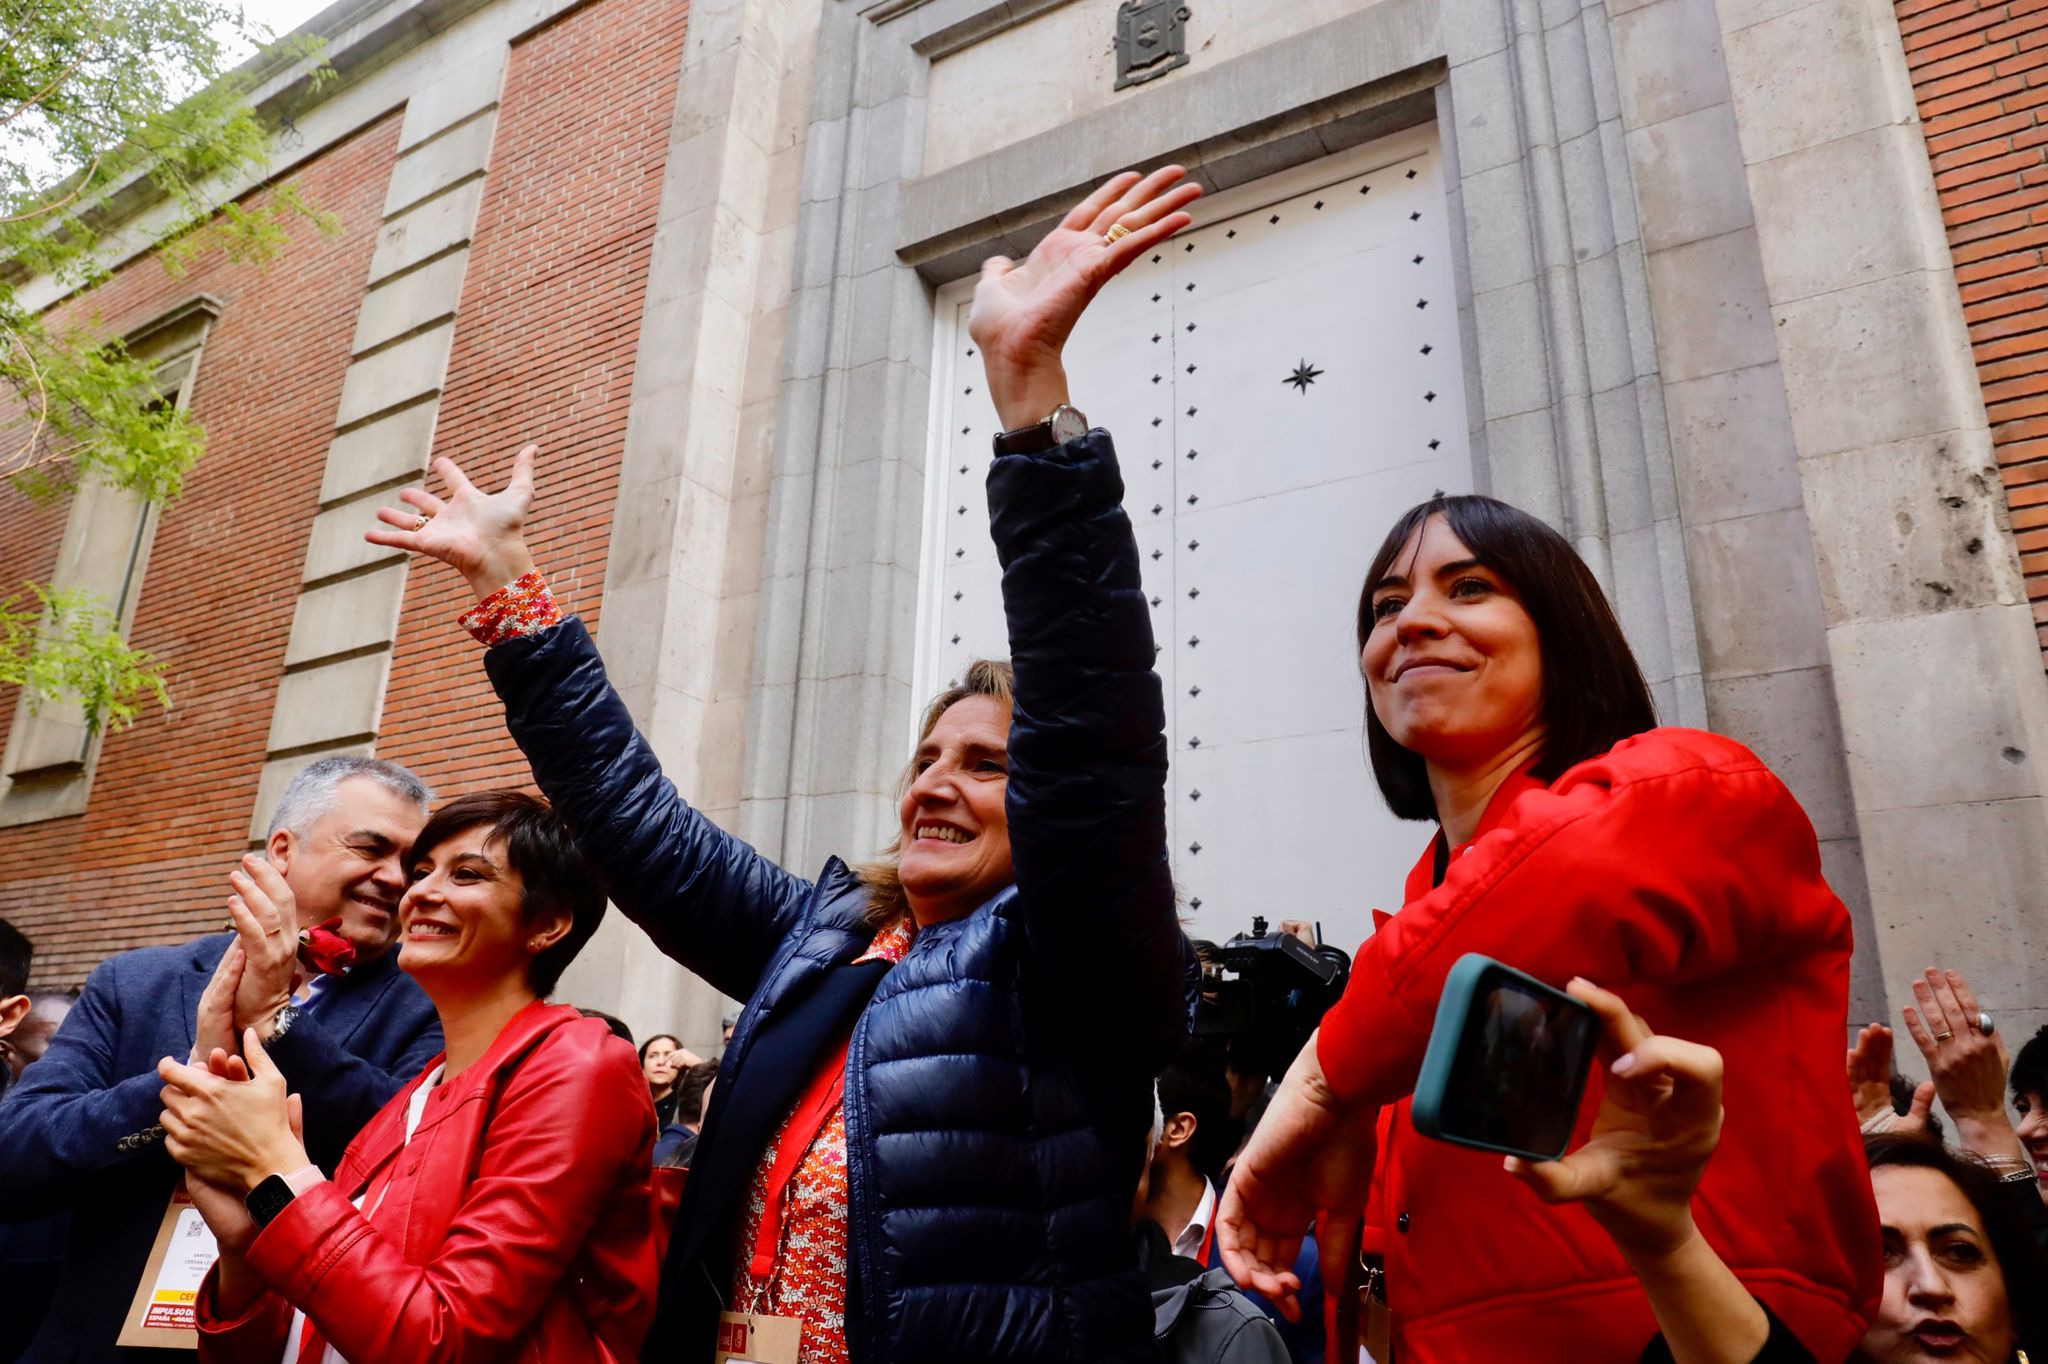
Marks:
<point>1068,424</point>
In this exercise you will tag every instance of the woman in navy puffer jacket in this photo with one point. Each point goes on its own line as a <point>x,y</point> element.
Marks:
<point>924,1139</point>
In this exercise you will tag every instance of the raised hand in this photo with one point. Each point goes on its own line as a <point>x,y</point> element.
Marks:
<point>214,1027</point>
<point>1659,1121</point>
<point>1311,1153</point>
<point>1968,1065</point>
<point>1870,1072</point>
<point>478,534</point>
<point>1024,310</point>
<point>266,919</point>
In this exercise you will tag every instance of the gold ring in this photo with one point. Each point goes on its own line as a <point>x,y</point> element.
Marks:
<point>420,522</point>
<point>1117,232</point>
<point>1943,1036</point>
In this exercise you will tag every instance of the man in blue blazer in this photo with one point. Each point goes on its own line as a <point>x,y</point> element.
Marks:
<point>80,1130</point>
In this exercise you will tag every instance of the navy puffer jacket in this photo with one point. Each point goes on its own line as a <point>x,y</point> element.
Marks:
<point>998,1087</point>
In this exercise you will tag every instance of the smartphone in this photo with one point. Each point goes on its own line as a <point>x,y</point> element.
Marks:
<point>1507,1062</point>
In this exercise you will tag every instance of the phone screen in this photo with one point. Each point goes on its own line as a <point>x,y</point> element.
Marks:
<point>1520,1068</point>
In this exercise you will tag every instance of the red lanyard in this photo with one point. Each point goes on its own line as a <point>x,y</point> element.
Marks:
<point>813,1110</point>
<point>1208,1238</point>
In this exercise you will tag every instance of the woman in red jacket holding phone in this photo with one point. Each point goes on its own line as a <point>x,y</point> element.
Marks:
<point>1576,838</point>
<point>501,1205</point>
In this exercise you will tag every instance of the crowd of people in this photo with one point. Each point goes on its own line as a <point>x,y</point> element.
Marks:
<point>963,1113</point>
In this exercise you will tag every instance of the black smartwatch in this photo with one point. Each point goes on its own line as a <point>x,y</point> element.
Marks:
<point>1066,423</point>
<point>268,1199</point>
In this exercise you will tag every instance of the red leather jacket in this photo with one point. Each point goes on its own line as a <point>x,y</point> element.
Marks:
<point>1677,870</point>
<point>517,1224</point>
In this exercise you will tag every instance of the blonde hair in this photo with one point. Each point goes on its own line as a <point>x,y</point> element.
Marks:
<point>990,677</point>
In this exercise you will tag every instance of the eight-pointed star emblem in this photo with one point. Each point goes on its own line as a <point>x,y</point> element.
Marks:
<point>1304,375</point>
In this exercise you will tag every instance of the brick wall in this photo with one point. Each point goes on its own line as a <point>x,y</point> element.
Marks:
<point>544,351</point>
<point>1980,75</point>
<point>147,861</point>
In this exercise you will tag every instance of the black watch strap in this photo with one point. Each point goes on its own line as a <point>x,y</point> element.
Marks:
<point>268,1199</point>
<point>1026,440</point>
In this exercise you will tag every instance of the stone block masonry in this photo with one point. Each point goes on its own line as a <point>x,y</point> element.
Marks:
<point>1980,79</point>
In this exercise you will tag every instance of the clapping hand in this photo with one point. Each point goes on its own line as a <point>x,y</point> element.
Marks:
<point>1024,310</point>
<point>265,914</point>
<point>478,534</point>
<point>224,1208</point>
<point>230,1123</point>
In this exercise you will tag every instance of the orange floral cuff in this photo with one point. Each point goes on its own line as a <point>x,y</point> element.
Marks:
<point>523,607</point>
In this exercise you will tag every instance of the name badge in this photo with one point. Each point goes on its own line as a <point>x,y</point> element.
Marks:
<point>164,1313</point>
<point>748,1338</point>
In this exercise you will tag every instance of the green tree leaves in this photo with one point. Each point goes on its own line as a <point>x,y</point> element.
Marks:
<point>110,109</point>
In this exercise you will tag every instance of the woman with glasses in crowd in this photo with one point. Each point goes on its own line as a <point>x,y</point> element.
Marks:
<point>501,1204</point>
<point>918,1148</point>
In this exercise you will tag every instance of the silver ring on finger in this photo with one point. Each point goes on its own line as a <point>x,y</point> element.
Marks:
<point>1985,1025</point>
<point>420,522</point>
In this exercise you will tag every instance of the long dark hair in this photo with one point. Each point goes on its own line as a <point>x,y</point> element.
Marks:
<point>1594,695</point>
<point>2012,1239</point>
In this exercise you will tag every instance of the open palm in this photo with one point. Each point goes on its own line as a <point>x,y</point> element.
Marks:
<point>478,534</point>
<point>1024,310</point>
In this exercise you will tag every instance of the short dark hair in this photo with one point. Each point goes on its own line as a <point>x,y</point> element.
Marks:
<point>16,954</point>
<point>690,1091</point>
<point>538,844</point>
<point>2030,1068</point>
<point>1607,699</point>
<point>1195,1083</point>
<point>2012,1239</point>
<point>659,1037</point>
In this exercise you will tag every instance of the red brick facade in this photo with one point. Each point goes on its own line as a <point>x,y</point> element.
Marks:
<point>1980,75</point>
<point>543,350</point>
<point>170,803</point>
<point>544,347</point>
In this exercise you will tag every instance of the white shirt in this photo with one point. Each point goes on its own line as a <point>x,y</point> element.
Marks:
<point>1189,1242</point>
<point>414,1107</point>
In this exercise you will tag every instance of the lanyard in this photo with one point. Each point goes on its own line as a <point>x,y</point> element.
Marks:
<point>813,1110</point>
<point>1208,1236</point>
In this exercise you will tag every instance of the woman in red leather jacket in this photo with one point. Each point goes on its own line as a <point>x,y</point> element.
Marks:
<point>500,1206</point>
<point>1576,839</point>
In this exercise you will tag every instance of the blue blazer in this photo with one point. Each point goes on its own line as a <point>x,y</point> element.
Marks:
<point>79,1130</point>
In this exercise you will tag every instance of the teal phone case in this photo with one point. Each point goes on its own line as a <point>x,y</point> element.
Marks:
<point>1469,977</point>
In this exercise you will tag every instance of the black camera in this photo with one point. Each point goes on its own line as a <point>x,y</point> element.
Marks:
<point>1264,993</point>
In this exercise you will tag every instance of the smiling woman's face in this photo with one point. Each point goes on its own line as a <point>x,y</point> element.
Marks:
<point>1944,1294</point>
<point>463,921</point>
<point>1452,664</point>
<point>956,831</point>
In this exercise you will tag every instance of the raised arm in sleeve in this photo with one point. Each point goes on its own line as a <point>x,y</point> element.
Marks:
<point>70,1117</point>
<point>1087,787</point>
<point>1675,857</point>
<point>706,898</point>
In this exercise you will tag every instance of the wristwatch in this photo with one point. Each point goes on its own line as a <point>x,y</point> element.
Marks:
<point>281,1021</point>
<point>1066,423</point>
<point>268,1199</point>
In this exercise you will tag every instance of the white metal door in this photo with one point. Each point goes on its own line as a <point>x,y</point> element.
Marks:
<point>1281,383</point>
